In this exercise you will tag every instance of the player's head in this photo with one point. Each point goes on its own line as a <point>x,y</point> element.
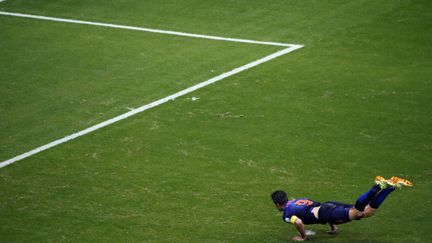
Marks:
<point>280,198</point>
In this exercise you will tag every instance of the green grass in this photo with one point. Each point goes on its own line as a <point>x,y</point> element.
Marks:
<point>320,122</point>
<point>58,78</point>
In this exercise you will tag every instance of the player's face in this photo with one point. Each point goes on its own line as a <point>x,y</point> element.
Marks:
<point>279,207</point>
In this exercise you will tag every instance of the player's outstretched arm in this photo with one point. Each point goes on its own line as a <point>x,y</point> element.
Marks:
<point>301,229</point>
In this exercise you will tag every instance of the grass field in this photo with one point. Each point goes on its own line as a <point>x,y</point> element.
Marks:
<point>319,122</point>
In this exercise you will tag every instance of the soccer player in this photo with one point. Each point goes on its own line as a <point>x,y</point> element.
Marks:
<point>304,211</point>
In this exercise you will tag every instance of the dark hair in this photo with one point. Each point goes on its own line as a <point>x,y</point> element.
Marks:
<point>279,197</point>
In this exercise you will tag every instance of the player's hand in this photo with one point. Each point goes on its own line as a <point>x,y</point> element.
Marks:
<point>298,238</point>
<point>333,229</point>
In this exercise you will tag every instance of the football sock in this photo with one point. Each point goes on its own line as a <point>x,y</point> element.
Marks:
<point>380,197</point>
<point>366,198</point>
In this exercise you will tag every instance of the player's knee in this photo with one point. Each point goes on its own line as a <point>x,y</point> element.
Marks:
<point>369,211</point>
<point>356,215</point>
<point>359,215</point>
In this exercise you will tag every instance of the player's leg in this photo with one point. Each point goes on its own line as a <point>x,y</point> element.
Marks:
<point>377,201</point>
<point>382,195</point>
<point>367,197</point>
<point>355,214</point>
<point>366,204</point>
<point>369,211</point>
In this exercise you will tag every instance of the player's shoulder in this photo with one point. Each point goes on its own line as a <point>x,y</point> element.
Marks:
<point>297,201</point>
<point>302,201</point>
<point>303,198</point>
<point>287,215</point>
<point>288,210</point>
<point>291,207</point>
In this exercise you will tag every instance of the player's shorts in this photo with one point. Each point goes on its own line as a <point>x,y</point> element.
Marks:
<point>334,212</point>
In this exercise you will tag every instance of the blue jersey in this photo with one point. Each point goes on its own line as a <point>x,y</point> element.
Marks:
<point>300,208</point>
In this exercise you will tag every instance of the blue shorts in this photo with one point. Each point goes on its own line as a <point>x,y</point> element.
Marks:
<point>334,212</point>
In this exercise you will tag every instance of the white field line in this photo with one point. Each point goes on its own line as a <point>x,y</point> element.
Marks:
<point>167,32</point>
<point>150,105</point>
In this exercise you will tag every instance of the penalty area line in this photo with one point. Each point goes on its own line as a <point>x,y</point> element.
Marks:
<point>166,32</point>
<point>150,105</point>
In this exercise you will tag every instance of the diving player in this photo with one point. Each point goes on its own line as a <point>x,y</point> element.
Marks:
<point>305,211</point>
